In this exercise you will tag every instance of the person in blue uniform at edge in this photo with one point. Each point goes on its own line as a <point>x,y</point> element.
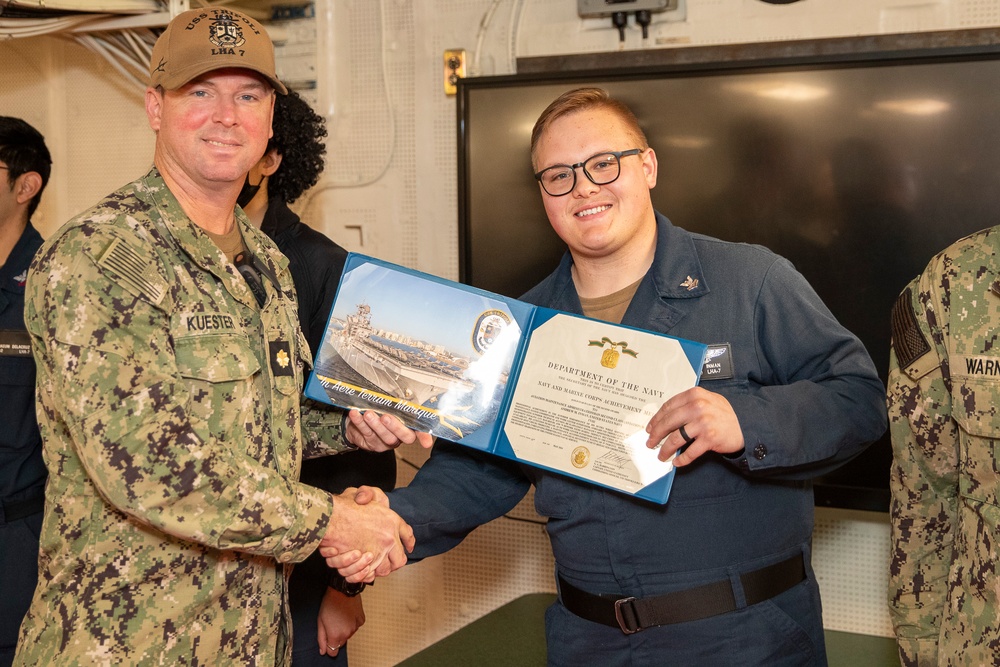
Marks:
<point>292,164</point>
<point>25,165</point>
<point>720,574</point>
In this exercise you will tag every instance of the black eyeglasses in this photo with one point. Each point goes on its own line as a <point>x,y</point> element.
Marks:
<point>601,169</point>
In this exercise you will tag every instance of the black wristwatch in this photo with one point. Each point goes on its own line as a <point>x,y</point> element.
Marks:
<point>341,585</point>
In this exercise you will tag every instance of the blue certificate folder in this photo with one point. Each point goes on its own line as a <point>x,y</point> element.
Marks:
<point>551,389</point>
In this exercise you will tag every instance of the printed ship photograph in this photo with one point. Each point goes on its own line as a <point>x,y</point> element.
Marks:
<point>436,357</point>
<point>407,369</point>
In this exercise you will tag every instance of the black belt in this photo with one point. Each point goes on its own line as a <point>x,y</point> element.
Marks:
<point>33,503</point>
<point>635,614</point>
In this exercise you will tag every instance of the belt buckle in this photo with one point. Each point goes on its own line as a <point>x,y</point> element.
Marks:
<point>627,627</point>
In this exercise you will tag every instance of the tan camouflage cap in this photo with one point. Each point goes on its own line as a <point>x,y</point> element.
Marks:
<point>202,40</point>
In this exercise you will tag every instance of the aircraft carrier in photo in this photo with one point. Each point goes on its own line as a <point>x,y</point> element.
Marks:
<point>401,367</point>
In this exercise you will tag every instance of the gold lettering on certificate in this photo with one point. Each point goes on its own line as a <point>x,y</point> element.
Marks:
<point>580,457</point>
<point>610,356</point>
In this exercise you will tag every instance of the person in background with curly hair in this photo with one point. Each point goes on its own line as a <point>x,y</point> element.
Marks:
<point>291,165</point>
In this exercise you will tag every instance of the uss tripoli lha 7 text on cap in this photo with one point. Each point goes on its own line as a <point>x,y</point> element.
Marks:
<point>202,40</point>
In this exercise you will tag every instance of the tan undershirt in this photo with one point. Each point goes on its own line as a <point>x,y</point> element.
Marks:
<point>611,307</point>
<point>230,243</point>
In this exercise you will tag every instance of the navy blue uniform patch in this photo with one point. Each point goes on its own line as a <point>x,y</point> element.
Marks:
<point>718,363</point>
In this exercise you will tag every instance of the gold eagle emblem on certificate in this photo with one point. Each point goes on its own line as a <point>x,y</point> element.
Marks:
<point>580,457</point>
<point>610,356</point>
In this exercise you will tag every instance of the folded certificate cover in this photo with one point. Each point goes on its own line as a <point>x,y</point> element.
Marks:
<point>559,391</point>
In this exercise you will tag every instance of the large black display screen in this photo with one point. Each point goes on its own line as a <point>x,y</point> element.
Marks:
<point>856,172</point>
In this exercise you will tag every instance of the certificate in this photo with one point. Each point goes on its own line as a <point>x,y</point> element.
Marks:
<point>583,399</point>
<point>553,390</point>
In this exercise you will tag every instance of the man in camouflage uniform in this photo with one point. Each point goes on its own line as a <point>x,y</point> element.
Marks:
<point>944,409</point>
<point>168,386</point>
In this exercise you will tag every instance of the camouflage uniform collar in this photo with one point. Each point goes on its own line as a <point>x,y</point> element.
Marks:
<point>192,239</point>
<point>261,246</point>
<point>195,243</point>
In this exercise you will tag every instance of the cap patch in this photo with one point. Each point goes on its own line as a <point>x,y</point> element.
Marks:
<point>225,32</point>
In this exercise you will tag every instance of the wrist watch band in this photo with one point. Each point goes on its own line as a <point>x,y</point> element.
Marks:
<point>349,446</point>
<point>341,585</point>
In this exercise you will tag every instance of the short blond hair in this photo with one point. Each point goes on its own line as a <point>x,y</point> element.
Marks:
<point>582,99</point>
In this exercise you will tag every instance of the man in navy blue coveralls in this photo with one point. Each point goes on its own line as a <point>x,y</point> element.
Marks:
<point>25,165</point>
<point>721,574</point>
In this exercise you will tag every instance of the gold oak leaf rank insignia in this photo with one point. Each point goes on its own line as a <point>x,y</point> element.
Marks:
<point>280,358</point>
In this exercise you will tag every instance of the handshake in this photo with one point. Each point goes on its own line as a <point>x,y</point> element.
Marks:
<point>365,539</point>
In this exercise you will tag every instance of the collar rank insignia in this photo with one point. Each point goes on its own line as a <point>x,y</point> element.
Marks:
<point>21,278</point>
<point>281,360</point>
<point>690,283</point>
